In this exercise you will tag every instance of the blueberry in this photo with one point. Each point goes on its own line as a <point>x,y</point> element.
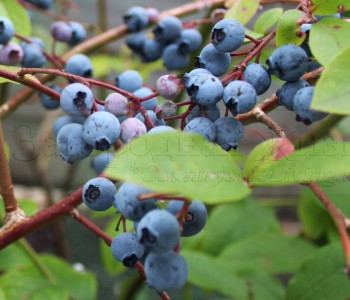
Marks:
<point>7,30</point>
<point>161,128</point>
<point>158,230</point>
<point>288,62</point>
<point>130,80</point>
<point>129,205</point>
<point>288,90</point>
<point>101,129</point>
<point>203,126</point>
<point>174,58</point>
<point>35,40</point>
<point>100,162</point>
<point>127,249</point>
<point>48,102</point>
<point>305,27</point>
<point>61,31</point>
<point>153,116</point>
<point>195,218</point>
<point>227,35</point>
<point>78,33</point>
<point>131,128</point>
<point>168,29</point>
<point>71,144</point>
<point>258,76</point>
<point>76,99</point>
<point>302,106</point>
<point>44,4</point>
<point>204,88</point>
<point>190,40</point>
<point>33,56</point>
<point>135,41</point>
<point>11,54</point>
<point>98,193</point>
<point>152,50</point>
<point>79,64</point>
<point>239,97</point>
<point>229,132</point>
<point>212,112</point>
<point>59,123</point>
<point>168,86</point>
<point>116,104</point>
<point>142,92</point>
<point>215,61</point>
<point>165,271</point>
<point>136,18</point>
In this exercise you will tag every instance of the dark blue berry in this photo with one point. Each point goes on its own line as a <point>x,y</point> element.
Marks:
<point>258,76</point>
<point>287,92</point>
<point>229,132</point>
<point>100,162</point>
<point>47,101</point>
<point>168,29</point>
<point>174,58</point>
<point>130,80</point>
<point>7,30</point>
<point>136,18</point>
<point>79,64</point>
<point>33,56</point>
<point>203,126</point>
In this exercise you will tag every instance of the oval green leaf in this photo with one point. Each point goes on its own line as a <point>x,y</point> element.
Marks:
<point>287,28</point>
<point>327,38</point>
<point>329,6</point>
<point>242,10</point>
<point>333,88</point>
<point>321,161</point>
<point>321,277</point>
<point>180,163</point>
<point>267,19</point>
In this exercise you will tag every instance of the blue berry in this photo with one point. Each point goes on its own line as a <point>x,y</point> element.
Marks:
<point>33,56</point>
<point>239,97</point>
<point>229,132</point>
<point>71,144</point>
<point>190,40</point>
<point>59,123</point>
<point>130,80</point>
<point>136,18</point>
<point>168,86</point>
<point>152,50</point>
<point>287,92</point>
<point>153,116</point>
<point>116,104</point>
<point>35,40</point>
<point>302,106</point>
<point>78,33</point>
<point>100,162</point>
<point>44,4</point>
<point>101,129</point>
<point>212,112</point>
<point>61,31</point>
<point>203,126</point>
<point>158,230</point>
<point>79,64</point>
<point>168,29</point>
<point>76,100</point>
<point>131,128</point>
<point>47,101</point>
<point>142,92</point>
<point>11,54</point>
<point>227,35</point>
<point>195,218</point>
<point>204,88</point>
<point>161,128</point>
<point>215,61</point>
<point>7,30</point>
<point>305,27</point>
<point>135,41</point>
<point>98,193</point>
<point>165,271</point>
<point>174,58</point>
<point>129,205</point>
<point>127,249</point>
<point>258,77</point>
<point>288,62</point>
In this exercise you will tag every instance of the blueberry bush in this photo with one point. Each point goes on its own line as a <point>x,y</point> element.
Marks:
<point>181,202</point>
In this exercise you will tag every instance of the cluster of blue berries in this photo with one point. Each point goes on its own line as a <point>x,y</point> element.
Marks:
<point>156,238</point>
<point>43,4</point>
<point>171,41</point>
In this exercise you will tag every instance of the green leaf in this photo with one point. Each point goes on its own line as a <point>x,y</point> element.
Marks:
<point>231,222</point>
<point>271,252</point>
<point>180,163</point>
<point>267,19</point>
<point>333,88</point>
<point>207,272</point>
<point>324,160</point>
<point>18,15</point>
<point>242,10</point>
<point>328,6</point>
<point>329,31</point>
<point>51,292</point>
<point>29,206</point>
<point>263,286</point>
<point>255,35</point>
<point>15,70</point>
<point>81,285</point>
<point>14,257</point>
<point>321,277</point>
<point>287,28</point>
<point>2,294</point>
<point>111,265</point>
<point>265,154</point>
